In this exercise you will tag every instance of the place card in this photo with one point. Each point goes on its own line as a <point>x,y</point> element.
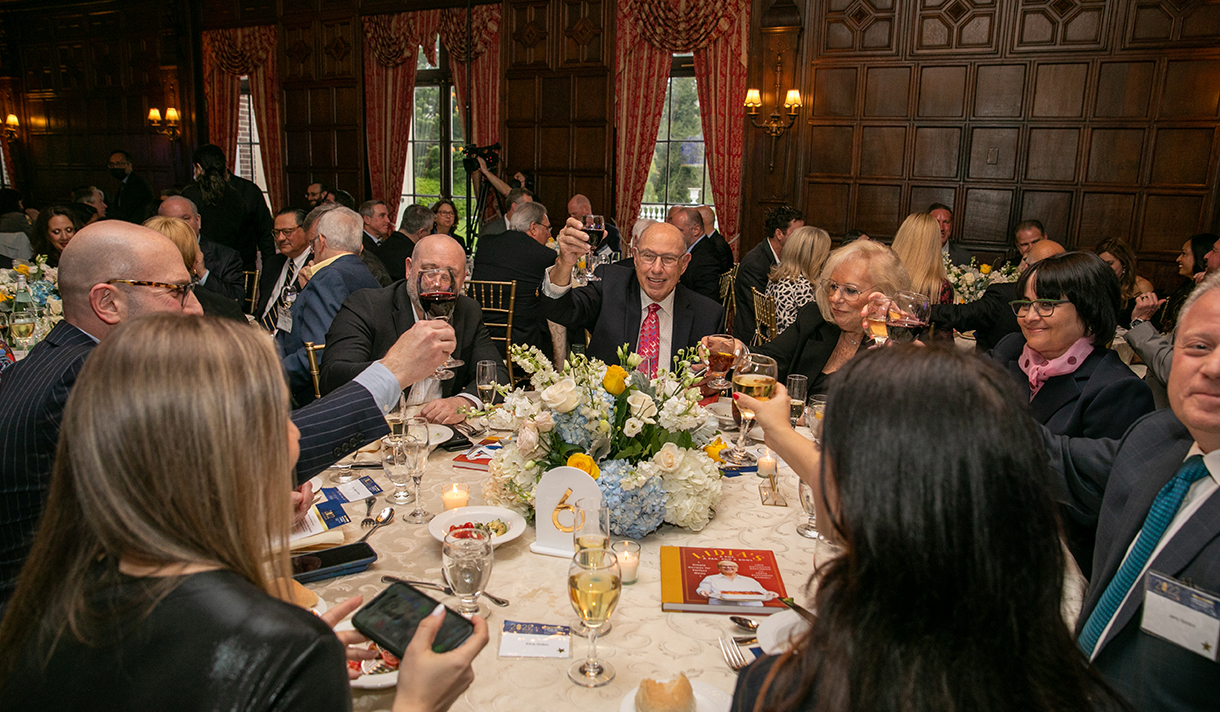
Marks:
<point>321,517</point>
<point>555,499</point>
<point>535,640</point>
<point>353,491</point>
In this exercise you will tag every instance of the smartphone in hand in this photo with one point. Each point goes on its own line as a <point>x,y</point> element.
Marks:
<point>391,618</point>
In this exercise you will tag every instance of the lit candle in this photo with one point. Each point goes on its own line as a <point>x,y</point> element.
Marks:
<point>455,496</point>
<point>628,553</point>
<point>766,464</point>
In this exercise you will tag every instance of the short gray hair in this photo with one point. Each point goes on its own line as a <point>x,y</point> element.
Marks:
<point>312,218</point>
<point>417,217</point>
<point>366,208</point>
<point>1212,281</point>
<point>343,228</point>
<point>188,201</point>
<point>527,214</point>
<point>884,268</point>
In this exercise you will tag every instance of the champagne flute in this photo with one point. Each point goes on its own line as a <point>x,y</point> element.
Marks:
<point>723,351</point>
<point>594,585</point>
<point>395,416</point>
<point>908,316</point>
<point>595,228</point>
<point>815,415</point>
<point>756,377</point>
<point>415,444</point>
<point>467,557</point>
<point>485,381</point>
<point>797,385</point>
<point>808,528</point>
<point>394,461</point>
<point>437,290</point>
<point>877,314</point>
<point>591,531</point>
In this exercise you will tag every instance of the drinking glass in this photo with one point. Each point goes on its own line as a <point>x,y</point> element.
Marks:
<point>394,461</point>
<point>594,585</point>
<point>415,445</point>
<point>908,316</point>
<point>723,351</point>
<point>395,416</point>
<point>467,558</point>
<point>21,327</point>
<point>876,312</point>
<point>797,386</point>
<point>437,290</point>
<point>485,381</point>
<point>808,528</point>
<point>343,473</point>
<point>591,530</point>
<point>595,228</point>
<point>815,414</point>
<point>755,376</point>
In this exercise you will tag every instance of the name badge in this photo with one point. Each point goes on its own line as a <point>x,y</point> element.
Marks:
<point>1181,614</point>
<point>284,322</point>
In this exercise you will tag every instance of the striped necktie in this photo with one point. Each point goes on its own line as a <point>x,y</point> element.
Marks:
<point>650,341</point>
<point>273,314</point>
<point>1163,510</point>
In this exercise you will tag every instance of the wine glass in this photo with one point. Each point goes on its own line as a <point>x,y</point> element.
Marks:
<point>591,531</point>
<point>594,585</point>
<point>595,228</point>
<point>908,316</point>
<point>485,381</point>
<point>437,290</point>
<point>21,327</point>
<point>797,386</point>
<point>415,444</point>
<point>722,354</point>
<point>808,528</point>
<point>876,312</point>
<point>467,558</point>
<point>815,414</point>
<point>394,461</point>
<point>756,377</point>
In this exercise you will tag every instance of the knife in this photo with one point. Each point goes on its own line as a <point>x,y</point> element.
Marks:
<point>800,610</point>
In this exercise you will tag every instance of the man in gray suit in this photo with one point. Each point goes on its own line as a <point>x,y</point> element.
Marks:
<point>1154,497</point>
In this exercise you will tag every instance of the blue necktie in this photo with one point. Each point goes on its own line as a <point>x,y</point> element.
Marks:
<point>1163,510</point>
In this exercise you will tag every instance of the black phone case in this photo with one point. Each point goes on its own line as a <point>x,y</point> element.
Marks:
<point>361,623</point>
<point>457,442</point>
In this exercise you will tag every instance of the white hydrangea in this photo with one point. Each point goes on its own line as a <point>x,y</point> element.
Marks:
<point>691,490</point>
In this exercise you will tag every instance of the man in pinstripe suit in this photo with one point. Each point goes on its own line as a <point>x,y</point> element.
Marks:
<point>1120,483</point>
<point>113,272</point>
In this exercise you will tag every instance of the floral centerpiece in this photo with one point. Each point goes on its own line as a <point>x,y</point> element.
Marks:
<point>970,281</point>
<point>641,438</point>
<point>42,280</point>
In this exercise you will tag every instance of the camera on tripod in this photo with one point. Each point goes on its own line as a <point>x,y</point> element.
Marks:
<point>489,154</point>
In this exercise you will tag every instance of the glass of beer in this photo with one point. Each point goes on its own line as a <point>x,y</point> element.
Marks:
<point>755,376</point>
<point>594,585</point>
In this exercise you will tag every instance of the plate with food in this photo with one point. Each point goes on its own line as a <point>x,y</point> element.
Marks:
<point>376,674</point>
<point>503,524</point>
<point>677,694</point>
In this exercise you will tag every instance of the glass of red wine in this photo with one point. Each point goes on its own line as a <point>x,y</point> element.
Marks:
<point>722,353</point>
<point>908,316</point>
<point>438,290</point>
<point>595,228</point>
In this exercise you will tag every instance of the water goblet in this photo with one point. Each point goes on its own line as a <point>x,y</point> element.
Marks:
<point>594,585</point>
<point>397,471</point>
<point>815,416</point>
<point>808,528</point>
<point>467,558</point>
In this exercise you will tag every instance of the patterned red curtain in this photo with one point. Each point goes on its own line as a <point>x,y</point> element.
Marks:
<point>484,68</point>
<point>227,55</point>
<point>391,45</point>
<point>641,73</point>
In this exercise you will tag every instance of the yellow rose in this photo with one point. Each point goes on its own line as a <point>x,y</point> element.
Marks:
<point>22,269</point>
<point>713,449</point>
<point>985,269</point>
<point>583,462</point>
<point>615,381</point>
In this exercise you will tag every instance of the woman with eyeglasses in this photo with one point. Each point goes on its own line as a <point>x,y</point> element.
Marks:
<point>446,219</point>
<point>1061,361</point>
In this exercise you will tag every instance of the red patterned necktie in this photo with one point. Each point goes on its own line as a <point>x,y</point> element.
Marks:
<point>650,341</point>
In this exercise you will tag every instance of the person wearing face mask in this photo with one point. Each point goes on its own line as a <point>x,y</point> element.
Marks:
<point>133,199</point>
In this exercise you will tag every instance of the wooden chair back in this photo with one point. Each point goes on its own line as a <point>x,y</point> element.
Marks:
<point>497,298</point>
<point>251,287</point>
<point>764,318</point>
<point>728,297</point>
<point>311,353</point>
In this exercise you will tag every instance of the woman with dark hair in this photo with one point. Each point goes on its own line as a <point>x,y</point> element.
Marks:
<point>233,211</point>
<point>53,229</point>
<point>948,590</point>
<point>446,219</point>
<point>1119,257</point>
<point>1192,261</point>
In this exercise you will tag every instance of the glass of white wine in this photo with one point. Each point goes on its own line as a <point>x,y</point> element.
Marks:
<point>467,557</point>
<point>594,585</point>
<point>485,381</point>
<point>755,376</point>
<point>415,445</point>
<point>876,313</point>
<point>797,386</point>
<point>591,531</point>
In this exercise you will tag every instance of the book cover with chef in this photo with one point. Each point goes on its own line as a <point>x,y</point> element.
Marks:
<point>720,580</point>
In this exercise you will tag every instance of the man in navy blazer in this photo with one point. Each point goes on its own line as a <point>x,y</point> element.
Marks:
<point>614,309</point>
<point>1118,482</point>
<point>222,264</point>
<point>34,391</point>
<point>335,238</point>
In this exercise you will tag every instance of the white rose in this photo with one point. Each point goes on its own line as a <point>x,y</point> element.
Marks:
<point>562,397</point>
<point>544,421</point>
<point>670,388</point>
<point>669,457</point>
<point>969,277</point>
<point>527,439</point>
<point>642,406</point>
<point>632,427</point>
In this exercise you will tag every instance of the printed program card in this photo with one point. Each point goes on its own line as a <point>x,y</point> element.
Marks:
<point>321,517</point>
<point>353,491</point>
<point>535,640</point>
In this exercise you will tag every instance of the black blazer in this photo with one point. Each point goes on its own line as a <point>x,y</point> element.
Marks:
<point>723,252</point>
<point>753,271</point>
<point>610,310</point>
<point>959,255</point>
<point>514,255</point>
<point>702,275</point>
<point>371,320</point>
<point>1115,481</point>
<point>224,271</point>
<point>805,347</point>
<point>272,264</point>
<point>133,201</point>
<point>393,253</point>
<point>990,316</point>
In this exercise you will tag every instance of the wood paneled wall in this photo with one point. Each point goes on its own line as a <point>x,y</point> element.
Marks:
<point>1098,118</point>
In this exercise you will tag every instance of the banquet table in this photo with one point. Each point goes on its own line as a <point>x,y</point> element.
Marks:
<point>644,641</point>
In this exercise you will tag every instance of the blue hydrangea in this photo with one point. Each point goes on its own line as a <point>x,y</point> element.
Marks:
<point>633,513</point>
<point>571,429</point>
<point>40,290</point>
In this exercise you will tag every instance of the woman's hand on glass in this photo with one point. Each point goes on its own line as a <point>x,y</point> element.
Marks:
<point>771,414</point>
<point>431,682</point>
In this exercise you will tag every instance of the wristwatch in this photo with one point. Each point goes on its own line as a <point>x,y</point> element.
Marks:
<point>1137,322</point>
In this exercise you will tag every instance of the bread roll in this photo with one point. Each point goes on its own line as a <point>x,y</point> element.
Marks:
<point>673,696</point>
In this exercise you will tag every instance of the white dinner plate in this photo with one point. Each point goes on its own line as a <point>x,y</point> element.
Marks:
<point>370,682</point>
<point>777,630</point>
<point>439,526</point>
<point>320,607</point>
<point>707,698</point>
<point>437,434</point>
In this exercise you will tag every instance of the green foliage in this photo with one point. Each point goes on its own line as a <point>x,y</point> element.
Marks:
<point>679,139</point>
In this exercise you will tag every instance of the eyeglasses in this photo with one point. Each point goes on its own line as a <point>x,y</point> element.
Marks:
<point>1044,307</point>
<point>284,231</point>
<point>649,258</point>
<point>446,212</point>
<point>850,291</point>
<point>117,164</point>
<point>182,291</point>
<point>548,228</point>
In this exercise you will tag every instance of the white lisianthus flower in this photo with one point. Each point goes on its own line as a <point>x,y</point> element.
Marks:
<point>642,407</point>
<point>544,421</point>
<point>632,427</point>
<point>668,458</point>
<point>634,360</point>
<point>562,397</point>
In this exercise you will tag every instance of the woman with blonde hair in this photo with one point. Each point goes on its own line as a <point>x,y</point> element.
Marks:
<point>184,239</point>
<point>792,281</point>
<point>154,576</point>
<point>917,244</point>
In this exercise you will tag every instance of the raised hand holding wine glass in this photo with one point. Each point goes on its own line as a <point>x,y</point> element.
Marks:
<point>595,228</point>
<point>756,377</point>
<point>438,291</point>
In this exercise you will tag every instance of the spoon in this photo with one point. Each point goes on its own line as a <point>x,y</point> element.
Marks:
<point>384,517</point>
<point>443,588</point>
<point>744,623</point>
<point>501,602</point>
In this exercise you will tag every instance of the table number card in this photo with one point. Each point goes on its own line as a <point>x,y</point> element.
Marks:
<point>535,640</point>
<point>555,501</point>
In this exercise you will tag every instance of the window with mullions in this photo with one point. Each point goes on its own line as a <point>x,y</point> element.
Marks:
<point>678,175</point>
<point>248,163</point>
<point>434,159</point>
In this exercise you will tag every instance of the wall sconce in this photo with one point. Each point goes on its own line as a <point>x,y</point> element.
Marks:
<point>11,124</point>
<point>775,125</point>
<point>171,122</point>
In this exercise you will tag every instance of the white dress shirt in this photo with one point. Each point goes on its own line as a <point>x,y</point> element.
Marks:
<point>299,261</point>
<point>429,389</point>
<point>665,317</point>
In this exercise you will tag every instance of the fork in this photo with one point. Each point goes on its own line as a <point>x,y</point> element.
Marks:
<point>732,654</point>
<point>368,520</point>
